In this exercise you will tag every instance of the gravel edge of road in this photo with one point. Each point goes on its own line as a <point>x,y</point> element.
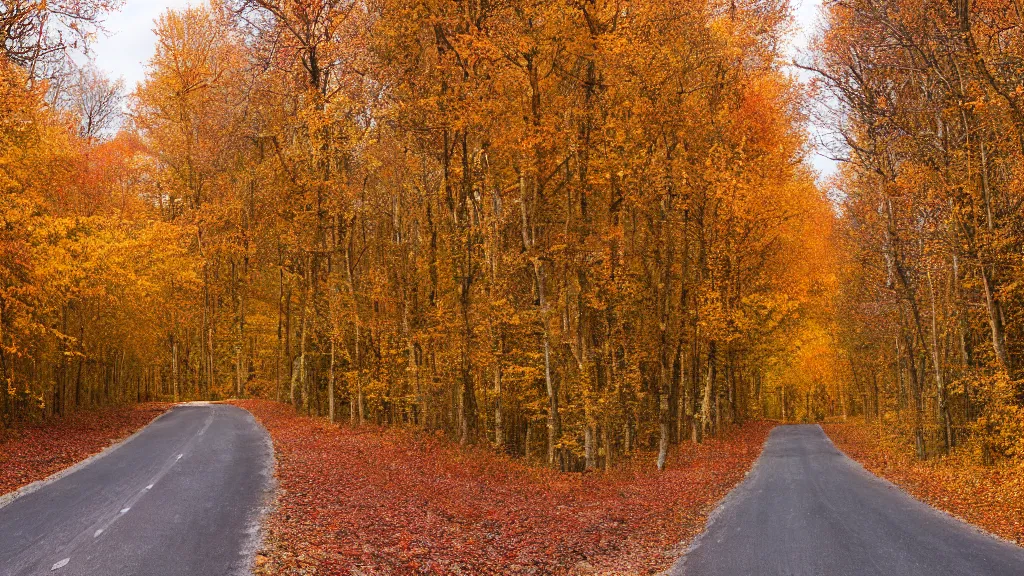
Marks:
<point>893,486</point>
<point>255,525</point>
<point>8,498</point>
<point>678,568</point>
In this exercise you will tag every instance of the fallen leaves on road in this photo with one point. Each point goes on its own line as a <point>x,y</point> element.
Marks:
<point>370,501</point>
<point>991,497</point>
<point>34,451</point>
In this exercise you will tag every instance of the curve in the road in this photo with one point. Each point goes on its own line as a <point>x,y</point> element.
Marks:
<point>805,509</point>
<point>181,498</point>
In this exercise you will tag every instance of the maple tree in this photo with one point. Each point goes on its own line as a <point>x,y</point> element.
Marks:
<point>81,263</point>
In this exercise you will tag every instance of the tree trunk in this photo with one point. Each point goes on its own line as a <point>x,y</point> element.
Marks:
<point>499,424</point>
<point>330,386</point>
<point>174,365</point>
<point>299,376</point>
<point>709,397</point>
<point>938,365</point>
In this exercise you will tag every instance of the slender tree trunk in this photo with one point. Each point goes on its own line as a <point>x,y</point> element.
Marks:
<point>663,419</point>
<point>174,365</point>
<point>330,385</point>
<point>916,392</point>
<point>554,421</point>
<point>299,376</point>
<point>709,396</point>
<point>288,352</point>
<point>937,363</point>
<point>992,303</point>
<point>499,417</point>
<point>590,449</point>
<point>360,405</point>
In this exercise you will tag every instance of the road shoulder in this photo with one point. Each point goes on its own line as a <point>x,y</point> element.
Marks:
<point>35,455</point>
<point>986,497</point>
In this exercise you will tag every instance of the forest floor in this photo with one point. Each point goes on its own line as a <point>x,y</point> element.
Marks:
<point>30,452</point>
<point>990,497</point>
<point>374,501</point>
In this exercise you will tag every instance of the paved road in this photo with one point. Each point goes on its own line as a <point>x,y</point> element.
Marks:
<point>180,498</point>
<point>808,510</point>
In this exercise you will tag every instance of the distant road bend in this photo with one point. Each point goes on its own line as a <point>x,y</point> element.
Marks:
<point>182,498</point>
<point>806,509</point>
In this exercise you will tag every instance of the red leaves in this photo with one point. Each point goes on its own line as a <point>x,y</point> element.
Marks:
<point>991,497</point>
<point>399,502</point>
<point>33,452</point>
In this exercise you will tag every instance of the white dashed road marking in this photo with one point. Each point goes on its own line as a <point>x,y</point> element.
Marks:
<point>99,527</point>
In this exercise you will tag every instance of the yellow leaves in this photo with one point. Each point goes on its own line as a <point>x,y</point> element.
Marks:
<point>1000,426</point>
<point>476,48</point>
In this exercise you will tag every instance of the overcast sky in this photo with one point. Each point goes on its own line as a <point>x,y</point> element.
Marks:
<point>808,19</point>
<point>130,42</point>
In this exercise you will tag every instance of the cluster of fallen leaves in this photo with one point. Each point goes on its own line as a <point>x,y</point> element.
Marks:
<point>368,501</point>
<point>991,497</point>
<point>32,452</point>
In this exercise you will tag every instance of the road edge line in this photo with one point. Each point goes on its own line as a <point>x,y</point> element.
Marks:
<point>678,567</point>
<point>255,531</point>
<point>934,509</point>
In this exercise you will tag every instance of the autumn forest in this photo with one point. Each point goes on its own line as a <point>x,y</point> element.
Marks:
<point>567,230</point>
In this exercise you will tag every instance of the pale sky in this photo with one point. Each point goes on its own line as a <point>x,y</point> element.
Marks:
<point>808,18</point>
<point>130,42</point>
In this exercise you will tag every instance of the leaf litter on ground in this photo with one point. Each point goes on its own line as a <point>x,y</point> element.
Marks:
<point>372,501</point>
<point>34,451</point>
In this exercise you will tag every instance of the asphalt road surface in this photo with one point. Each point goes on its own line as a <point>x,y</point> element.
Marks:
<point>806,509</point>
<point>183,497</point>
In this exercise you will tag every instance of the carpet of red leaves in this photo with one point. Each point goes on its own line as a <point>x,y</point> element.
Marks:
<point>991,497</point>
<point>373,501</point>
<point>34,451</point>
